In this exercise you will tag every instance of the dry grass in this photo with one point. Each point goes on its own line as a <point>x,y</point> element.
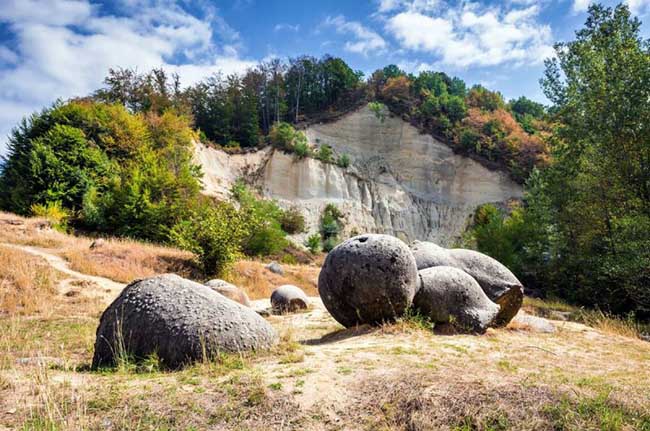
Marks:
<point>124,260</point>
<point>259,282</point>
<point>27,283</point>
<point>611,324</point>
<point>117,259</point>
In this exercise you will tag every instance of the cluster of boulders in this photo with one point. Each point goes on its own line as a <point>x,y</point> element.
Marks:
<point>182,321</point>
<point>368,279</point>
<point>372,279</point>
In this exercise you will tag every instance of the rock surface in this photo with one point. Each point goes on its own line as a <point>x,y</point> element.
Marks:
<point>400,182</point>
<point>230,291</point>
<point>368,279</point>
<point>275,268</point>
<point>497,281</point>
<point>449,295</point>
<point>178,319</point>
<point>288,299</point>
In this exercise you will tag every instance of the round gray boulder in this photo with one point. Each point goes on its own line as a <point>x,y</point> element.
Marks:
<point>275,268</point>
<point>368,279</point>
<point>230,291</point>
<point>179,320</point>
<point>497,281</point>
<point>449,295</point>
<point>288,299</point>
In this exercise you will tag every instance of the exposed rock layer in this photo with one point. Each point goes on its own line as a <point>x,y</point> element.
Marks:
<point>400,182</point>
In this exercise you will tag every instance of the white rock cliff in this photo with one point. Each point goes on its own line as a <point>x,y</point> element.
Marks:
<point>400,182</point>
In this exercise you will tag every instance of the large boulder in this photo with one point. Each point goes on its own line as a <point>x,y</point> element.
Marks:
<point>179,320</point>
<point>497,281</point>
<point>368,279</point>
<point>450,295</point>
<point>288,299</point>
<point>230,291</point>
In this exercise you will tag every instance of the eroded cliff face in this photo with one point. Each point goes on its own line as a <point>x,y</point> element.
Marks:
<point>400,182</point>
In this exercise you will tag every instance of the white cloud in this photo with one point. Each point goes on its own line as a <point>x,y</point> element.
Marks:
<point>64,48</point>
<point>410,5</point>
<point>475,36</point>
<point>581,5</point>
<point>287,27</point>
<point>365,40</point>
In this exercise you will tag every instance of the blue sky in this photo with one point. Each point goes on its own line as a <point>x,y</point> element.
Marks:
<point>63,48</point>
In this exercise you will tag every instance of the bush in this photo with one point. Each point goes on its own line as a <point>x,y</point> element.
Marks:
<point>331,225</point>
<point>54,213</point>
<point>379,109</point>
<point>214,234</point>
<point>313,243</point>
<point>330,243</point>
<point>282,135</point>
<point>343,161</point>
<point>265,235</point>
<point>292,221</point>
<point>325,154</point>
<point>301,147</point>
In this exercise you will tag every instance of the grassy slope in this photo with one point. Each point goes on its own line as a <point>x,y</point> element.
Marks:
<point>399,376</point>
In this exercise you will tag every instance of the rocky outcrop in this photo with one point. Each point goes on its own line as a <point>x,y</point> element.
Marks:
<point>400,182</point>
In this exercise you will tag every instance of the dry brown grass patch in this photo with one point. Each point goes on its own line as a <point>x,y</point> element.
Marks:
<point>27,283</point>
<point>259,282</point>
<point>125,260</point>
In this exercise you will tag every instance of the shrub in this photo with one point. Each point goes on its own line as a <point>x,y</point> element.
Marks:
<point>313,243</point>
<point>325,154</point>
<point>214,234</point>
<point>331,225</point>
<point>343,161</point>
<point>282,135</point>
<point>292,221</point>
<point>54,213</point>
<point>330,243</point>
<point>379,109</point>
<point>301,147</point>
<point>263,219</point>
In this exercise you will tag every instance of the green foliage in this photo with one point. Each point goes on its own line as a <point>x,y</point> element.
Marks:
<point>481,97</point>
<point>282,135</point>
<point>379,109</point>
<point>313,243</point>
<point>331,225</point>
<point>263,220</point>
<point>324,154</point>
<point>301,148</point>
<point>596,196</point>
<point>343,161</point>
<point>214,233</point>
<point>54,213</point>
<point>292,221</point>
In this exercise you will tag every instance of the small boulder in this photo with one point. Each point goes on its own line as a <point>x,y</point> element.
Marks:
<point>368,279</point>
<point>449,295</point>
<point>179,320</point>
<point>275,268</point>
<point>497,281</point>
<point>288,299</point>
<point>230,291</point>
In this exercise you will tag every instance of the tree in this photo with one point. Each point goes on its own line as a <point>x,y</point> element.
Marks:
<point>599,185</point>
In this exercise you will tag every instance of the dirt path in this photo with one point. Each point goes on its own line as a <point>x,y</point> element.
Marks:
<point>96,287</point>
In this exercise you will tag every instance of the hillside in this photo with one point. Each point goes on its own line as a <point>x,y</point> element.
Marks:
<point>536,374</point>
<point>399,181</point>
